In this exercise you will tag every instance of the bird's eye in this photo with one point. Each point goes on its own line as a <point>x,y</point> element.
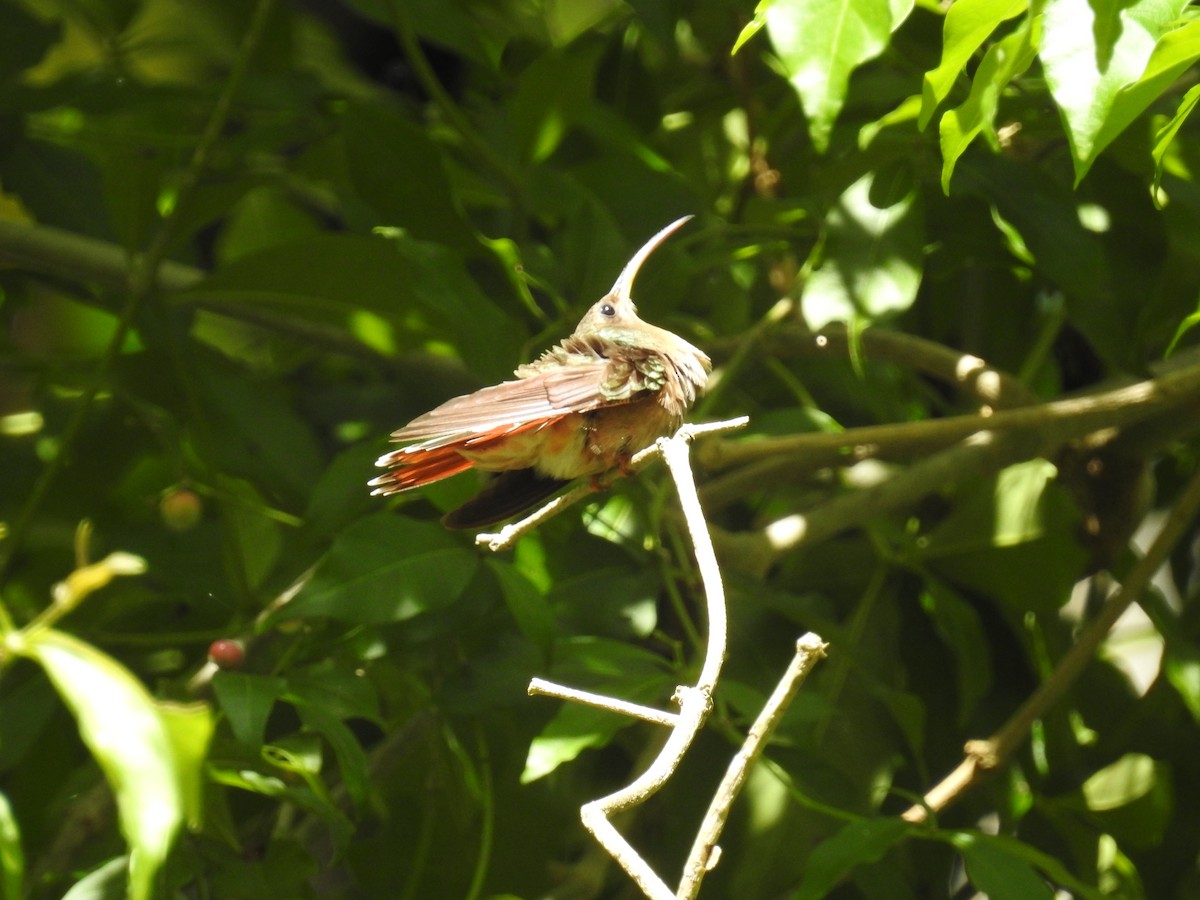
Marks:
<point>608,310</point>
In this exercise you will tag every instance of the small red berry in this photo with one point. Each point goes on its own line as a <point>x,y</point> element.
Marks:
<point>226,653</point>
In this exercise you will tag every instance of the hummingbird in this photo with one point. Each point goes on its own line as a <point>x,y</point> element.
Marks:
<point>582,409</point>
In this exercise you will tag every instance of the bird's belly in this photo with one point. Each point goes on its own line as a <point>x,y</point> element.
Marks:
<point>577,444</point>
<point>605,438</point>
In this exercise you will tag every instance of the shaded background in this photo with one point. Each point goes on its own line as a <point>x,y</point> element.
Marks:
<point>401,202</point>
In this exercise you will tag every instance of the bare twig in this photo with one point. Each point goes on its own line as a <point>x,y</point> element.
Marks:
<point>810,649</point>
<point>983,757</point>
<point>612,704</point>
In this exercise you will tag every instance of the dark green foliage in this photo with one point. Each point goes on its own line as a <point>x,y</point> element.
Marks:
<point>395,202</point>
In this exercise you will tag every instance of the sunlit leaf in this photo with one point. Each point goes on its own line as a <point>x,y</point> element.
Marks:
<point>1128,779</point>
<point>821,42</point>
<point>873,258</point>
<point>1090,52</point>
<point>1165,136</point>
<point>968,24</point>
<point>12,856</point>
<point>1173,54</point>
<point>152,765</point>
<point>1004,61</point>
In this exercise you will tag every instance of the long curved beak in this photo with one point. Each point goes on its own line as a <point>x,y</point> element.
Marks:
<point>623,287</point>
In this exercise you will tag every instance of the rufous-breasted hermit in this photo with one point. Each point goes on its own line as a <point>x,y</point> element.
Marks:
<point>582,409</point>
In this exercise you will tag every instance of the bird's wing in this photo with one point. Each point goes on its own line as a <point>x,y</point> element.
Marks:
<point>492,411</point>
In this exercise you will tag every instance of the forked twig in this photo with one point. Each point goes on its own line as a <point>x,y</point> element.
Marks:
<point>695,701</point>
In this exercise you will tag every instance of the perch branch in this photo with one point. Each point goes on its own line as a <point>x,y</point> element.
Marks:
<point>507,536</point>
<point>983,757</point>
<point>695,702</point>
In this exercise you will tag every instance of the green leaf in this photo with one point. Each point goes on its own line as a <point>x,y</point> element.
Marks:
<point>1165,137</point>
<point>821,42</point>
<point>150,752</point>
<point>23,39</point>
<point>855,844</point>
<point>106,882</point>
<point>1130,778</point>
<point>753,27</point>
<point>962,631</point>
<point>1044,212</point>
<point>1092,50</point>
<point>1173,54</point>
<point>1010,538</point>
<point>1003,62</point>
<point>553,92</point>
<point>352,760</point>
<point>577,727</point>
<point>247,701</point>
<point>12,856</point>
<point>968,24</point>
<point>873,258</point>
<point>998,873</point>
<point>528,605</point>
<point>386,568</point>
<point>304,797</point>
<point>398,172</point>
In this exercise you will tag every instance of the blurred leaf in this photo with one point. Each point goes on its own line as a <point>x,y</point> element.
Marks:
<point>386,568</point>
<point>397,171</point>
<point>303,797</point>
<point>352,761</point>
<point>149,752</point>
<point>527,604</point>
<point>552,93</point>
<point>106,882</point>
<point>1165,136</point>
<point>1003,534</point>
<point>997,873</point>
<point>345,693</point>
<point>1093,50</point>
<point>24,38</point>
<point>252,535</point>
<point>263,218</point>
<point>819,59</point>
<point>252,428</point>
<point>968,24</point>
<point>247,701</point>
<point>872,258</point>
<point>853,845</point>
<point>12,856</point>
<point>959,626</point>
<point>1129,778</point>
